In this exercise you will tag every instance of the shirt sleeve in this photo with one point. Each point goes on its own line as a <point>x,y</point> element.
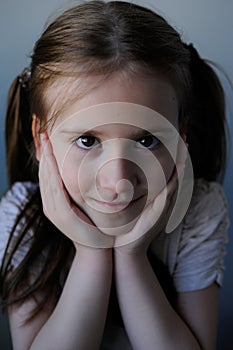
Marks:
<point>202,245</point>
<point>11,205</point>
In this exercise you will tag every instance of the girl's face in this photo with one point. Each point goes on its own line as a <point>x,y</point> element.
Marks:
<point>111,155</point>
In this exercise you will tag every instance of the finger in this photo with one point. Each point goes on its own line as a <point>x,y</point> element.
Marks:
<point>164,202</point>
<point>51,184</point>
<point>54,186</point>
<point>48,156</point>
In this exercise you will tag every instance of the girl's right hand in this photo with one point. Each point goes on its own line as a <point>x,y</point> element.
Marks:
<point>59,208</point>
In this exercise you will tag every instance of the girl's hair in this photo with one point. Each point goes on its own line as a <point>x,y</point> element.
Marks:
<point>98,39</point>
<point>206,133</point>
<point>19,141</point>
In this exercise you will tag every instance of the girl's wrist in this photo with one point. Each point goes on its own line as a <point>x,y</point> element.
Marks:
<point>123,254</point>
<point>132,250</point>
<point>86,251</point>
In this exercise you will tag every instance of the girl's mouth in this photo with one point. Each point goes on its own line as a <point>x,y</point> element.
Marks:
<point>114,206</point>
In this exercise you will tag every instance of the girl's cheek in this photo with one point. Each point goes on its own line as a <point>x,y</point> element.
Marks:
<point>167,163</point>
<point>70,180</point>
<point>68,164</point>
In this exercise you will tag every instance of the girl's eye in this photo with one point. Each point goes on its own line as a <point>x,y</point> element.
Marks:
<point>86,142</point>
<point>149,141</point>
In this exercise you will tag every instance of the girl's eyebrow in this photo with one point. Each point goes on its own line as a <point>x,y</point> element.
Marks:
<point>82,132</point>
<point>133,133</point>
<point>99,134</point>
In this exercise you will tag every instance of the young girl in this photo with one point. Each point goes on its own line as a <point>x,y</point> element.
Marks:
<point>87,262</point>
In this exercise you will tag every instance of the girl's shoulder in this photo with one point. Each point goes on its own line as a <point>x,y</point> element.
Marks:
<point>207,218</point>
<point>18,193</point>
<point>208,201</point>
<point>202,240</point>
<point>208,196</point>
<point>12,203</point>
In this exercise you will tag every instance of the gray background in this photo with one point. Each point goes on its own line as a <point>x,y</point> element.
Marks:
<point>208,24</point>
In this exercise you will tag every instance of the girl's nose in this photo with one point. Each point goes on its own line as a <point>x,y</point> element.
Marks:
<point>117,177</point>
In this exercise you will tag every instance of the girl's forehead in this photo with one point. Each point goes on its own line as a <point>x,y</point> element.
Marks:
<point>68,98</point>
<point>116,119</point>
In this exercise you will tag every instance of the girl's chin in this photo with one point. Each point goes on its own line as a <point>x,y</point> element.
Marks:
<point>110,220</point>
<point>118,222</point>
<point>116,229</point>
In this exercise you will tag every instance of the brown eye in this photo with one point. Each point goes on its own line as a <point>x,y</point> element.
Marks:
<point>149,141</point>
<point>86,142</point>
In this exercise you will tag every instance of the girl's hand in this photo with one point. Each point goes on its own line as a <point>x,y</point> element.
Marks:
<point>59,208</point>
<point>150,223</point>
<point>156,214</point>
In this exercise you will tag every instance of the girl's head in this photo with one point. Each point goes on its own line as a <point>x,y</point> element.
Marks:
<point>90,44</point>
<point>102,52</point>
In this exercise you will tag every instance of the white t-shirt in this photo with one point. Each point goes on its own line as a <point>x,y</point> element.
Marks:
<point>193,253</point>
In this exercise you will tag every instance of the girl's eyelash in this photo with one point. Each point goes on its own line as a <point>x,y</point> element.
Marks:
<point>153,143</point>
<point>84,138</point>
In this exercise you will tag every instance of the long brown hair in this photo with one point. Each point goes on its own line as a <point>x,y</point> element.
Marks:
<point>98,38</point>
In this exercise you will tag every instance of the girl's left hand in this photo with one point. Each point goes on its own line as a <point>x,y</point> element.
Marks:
<point>150,223</point>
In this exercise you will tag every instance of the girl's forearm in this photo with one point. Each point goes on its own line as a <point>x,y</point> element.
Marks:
<point>150,321</point>
<point>78,320</point>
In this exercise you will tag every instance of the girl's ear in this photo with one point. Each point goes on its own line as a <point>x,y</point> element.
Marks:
<point>36,136</point>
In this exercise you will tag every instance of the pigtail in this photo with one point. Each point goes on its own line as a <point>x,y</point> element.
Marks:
<point>206,127</point>
<point>19,141</point>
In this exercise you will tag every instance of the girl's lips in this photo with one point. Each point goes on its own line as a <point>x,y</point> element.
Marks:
<point>116,205</point>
